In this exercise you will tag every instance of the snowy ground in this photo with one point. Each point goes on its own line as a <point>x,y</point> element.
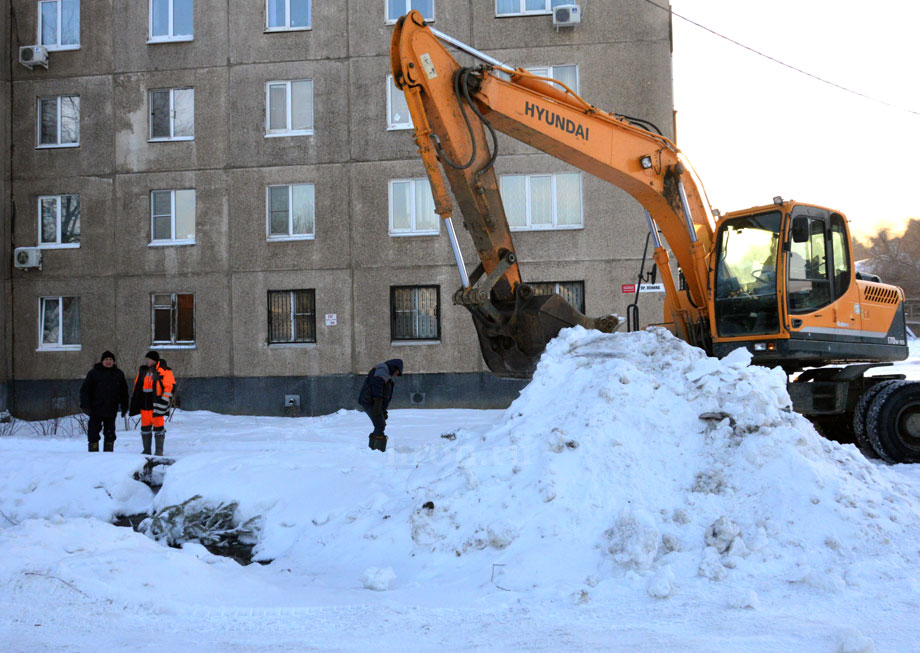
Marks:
<point>598,512</point>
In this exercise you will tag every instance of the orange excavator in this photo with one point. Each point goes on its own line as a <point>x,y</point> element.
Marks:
<point>777,279</point>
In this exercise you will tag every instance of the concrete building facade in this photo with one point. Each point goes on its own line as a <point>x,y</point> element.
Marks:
<point>181,244</point>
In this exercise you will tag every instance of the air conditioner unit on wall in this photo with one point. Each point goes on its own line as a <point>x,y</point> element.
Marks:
<point>33,55</point>
<point>27,257</point>
<point>566,15</point>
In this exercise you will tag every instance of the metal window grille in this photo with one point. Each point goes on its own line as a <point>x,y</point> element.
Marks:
<point>571,291</point>
<point>291,316</point>
<point>415,313</point>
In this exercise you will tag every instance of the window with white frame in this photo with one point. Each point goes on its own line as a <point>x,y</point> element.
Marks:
<point>59,121</point>
<point>173,319</point>
<point>59,323</point>
<point>415,313</point>
<point>59,221</point>
<point>286,15</point>
<point>289,107</point>
<point>571,291</point>
<point>172,114</point>
<point>59,24</point>
<point>543,201</point>
<point>397,109</point>
<point>567,74</point>
<point>291,316</point>
<point>291,212</point>
<point>526,7</point>
<point>412,208</point>
<point>171,20</point>
<point>172,217</point>
<point>398,8</point>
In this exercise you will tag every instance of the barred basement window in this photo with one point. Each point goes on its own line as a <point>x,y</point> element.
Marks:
<point>291,316</point>
<point>571,291</point>
<point>174,319</point>
<point>415,313</point>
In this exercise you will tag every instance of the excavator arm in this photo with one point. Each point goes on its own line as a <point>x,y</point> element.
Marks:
<point>453,106</point>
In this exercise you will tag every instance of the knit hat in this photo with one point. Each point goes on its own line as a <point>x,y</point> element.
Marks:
<point>152,355</point>
<point>106,354</point>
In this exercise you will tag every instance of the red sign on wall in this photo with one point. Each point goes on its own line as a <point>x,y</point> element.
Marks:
<point>629,288</point>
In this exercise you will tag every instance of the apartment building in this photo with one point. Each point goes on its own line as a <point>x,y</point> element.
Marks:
<point>235,184</point>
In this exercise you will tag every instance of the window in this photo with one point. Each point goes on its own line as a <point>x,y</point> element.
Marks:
<point>172,217</point>
<point>571,291</point>
<point>172,114</point>
<point>398,8</point>
<point>415,313</point>
<point>397,109</point>
<point>291,212</point>
<point>283,15</point>
<point>542,201</point>
<point>567,74</point>
<point>59,24</point>
<point>289,108</point>
<point>526,7</point>
<point>840,249</point>
<point>171,20</point>
<point>59,320</point>
<point>808,287</point>
<point>174,319</point>
<point>59,221</point>
<point>412,208</point>
<point>291,316</point>
<point>59,121</point>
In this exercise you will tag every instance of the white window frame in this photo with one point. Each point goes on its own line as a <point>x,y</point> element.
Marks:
<point>59,345</point>
<point>169,242</point>
<point>38,133</point>
<point>57,227</point>
<point>287,131</point>
<point>173,342</point>
<point>287,18</point>
<point>391,126</point>
<point>268,214</point>
<point>57,47</point>
<point>172,115</point>
<point>413,230</point>
<point>548,4</point>
<point>407,7</point>
<point>170,37</point>
<point>527,210</point>
<point>551,70</point>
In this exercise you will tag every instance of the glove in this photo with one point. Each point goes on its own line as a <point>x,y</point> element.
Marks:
<point>160,406</point>
<point>386,415</point>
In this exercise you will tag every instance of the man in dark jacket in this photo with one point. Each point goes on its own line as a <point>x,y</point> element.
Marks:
<point>104,392</point>
<point>375,397</point>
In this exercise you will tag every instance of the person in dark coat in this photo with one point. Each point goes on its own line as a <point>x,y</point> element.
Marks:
<point>375,396</point>
<point>103,394</point>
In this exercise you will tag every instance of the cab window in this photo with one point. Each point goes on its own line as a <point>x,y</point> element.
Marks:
<point>809,286</point>
<point>841,255</point>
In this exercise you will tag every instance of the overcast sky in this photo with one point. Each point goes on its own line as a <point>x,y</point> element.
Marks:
<point>754,129</point>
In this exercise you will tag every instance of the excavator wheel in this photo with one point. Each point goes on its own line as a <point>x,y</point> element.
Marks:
<point>893,422</point>
<point>861,413</point>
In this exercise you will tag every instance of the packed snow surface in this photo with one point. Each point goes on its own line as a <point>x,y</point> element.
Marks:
<point>637,495</point>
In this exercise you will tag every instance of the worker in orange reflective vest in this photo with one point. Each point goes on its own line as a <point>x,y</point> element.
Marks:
<point>153,389</point>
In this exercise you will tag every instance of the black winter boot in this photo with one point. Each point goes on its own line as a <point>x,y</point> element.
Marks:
<point>107,445</point>
<point>146,438</point>
<point>378,442</point>
<point>160,437</point>
<point>94,446</point>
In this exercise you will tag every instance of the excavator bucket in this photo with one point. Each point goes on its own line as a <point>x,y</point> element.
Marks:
<point>512,348</point>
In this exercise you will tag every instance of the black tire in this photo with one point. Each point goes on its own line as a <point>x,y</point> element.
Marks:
<point>860,414</point>
<point>893,422</point>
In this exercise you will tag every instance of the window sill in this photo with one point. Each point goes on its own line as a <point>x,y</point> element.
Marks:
<point>175,39</point>
<point>404,234</point>
<point>61,48</point>
<point>170,140</point>
<point>525,13</point>
<point>275,30</point>
<point>413,343</point>
<point>166,345</point>
<point>54,146</point>
<point>285,239</point>
<point>61,348</point>
<point>398,128</point>
<point>302,132</point>
<point>573,227</point>
<point>171,243</point>
<point>59,246</point>
<point>292,345</point>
